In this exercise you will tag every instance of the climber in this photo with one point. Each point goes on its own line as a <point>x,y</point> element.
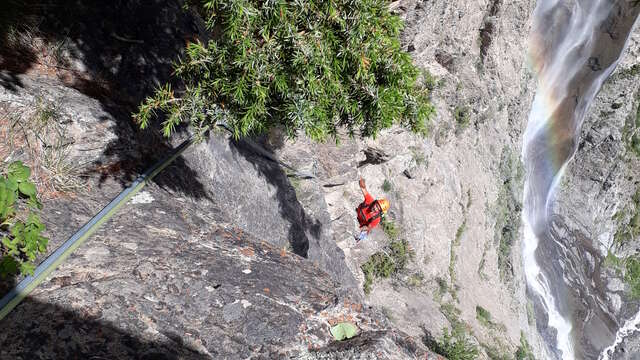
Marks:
<point>369,212</point>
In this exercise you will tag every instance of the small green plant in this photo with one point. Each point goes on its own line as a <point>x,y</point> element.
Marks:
<point>418,156</point>
<point>452,268</point>
<point>496,353</point>
<point>462,115</point>
<point>631,129</point>
<point>390,228</point>
<point>298,65</point>
<point>531,317</point>
<point>443,287</point>
<point>483,316</point>
<point>430,81</point>
<point>612,261</point>
<point>452,313</point>
<point>456,345</point>
<point>507,211</point>
<point>629,229</point>
<point>43,138</point>
<point>386,186</point>
<point>524,351</point>
<point>632,71</point>
<point>20,226</point>
<point>632,276</point>
<point>452,252</point>
<point>415,280</point>
<point>384,264</point>
<point>461,229</point>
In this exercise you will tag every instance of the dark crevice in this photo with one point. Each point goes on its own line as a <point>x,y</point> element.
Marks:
<point>288,207</point>
<point>488,29</point>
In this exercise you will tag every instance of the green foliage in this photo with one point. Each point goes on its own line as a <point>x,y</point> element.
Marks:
<point>443,287</point>
<point>496,353</point>
<point>612,261</point>
<point>20,227</point>
<point>632,276</point>
<point>456,345</point>
<point>524,351</point>
<point>531,317</point>
<point>483,316</point>
<point>430,81</point>
<point>344,331</point>
<point>628,229</point>
<point>460,232</point>
<point>630,72</point>
<point>452,251</point>
<point>386,263</point>
<point>628,221</point>
<point>508,210</point>
<point>386,186</point>
<point>390,228</point>
<point>462,115</point>
<point>415,280</point>
<point>631,129</point>
<point>418,156</point>
<point>452,313</point>
<point>314,66</point>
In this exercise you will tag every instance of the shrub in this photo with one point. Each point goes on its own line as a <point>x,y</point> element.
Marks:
<point>386,264</point>
<point>20,226</point>
<point>483,316</point>
<point>390,228</point>
<point>508,209</point>
<point>632,276</point>
<point>452,313</point>
<point>452,252</point>
<point>632,124</point>
<point>300,65</point>
<point>415,280</point>
<point>456,345</point>
<point>443,287</point>
<point>430,81</point>
<point>630,229</point>
<point>463,118</point>
<point>524,351</point>
<point>386,186</point>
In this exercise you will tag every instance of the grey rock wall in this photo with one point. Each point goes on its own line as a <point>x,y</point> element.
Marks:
<point>594,202</point>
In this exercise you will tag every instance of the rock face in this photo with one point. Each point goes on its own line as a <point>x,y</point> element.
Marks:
<point>594,206</point>
<point>218,258</point>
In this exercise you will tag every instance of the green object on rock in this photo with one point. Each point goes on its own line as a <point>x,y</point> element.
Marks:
<point>344,331</point>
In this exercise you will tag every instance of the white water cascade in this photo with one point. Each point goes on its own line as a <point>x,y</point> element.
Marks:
<point>571,61</point>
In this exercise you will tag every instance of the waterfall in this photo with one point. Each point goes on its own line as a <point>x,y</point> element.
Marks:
<point>572,52</point>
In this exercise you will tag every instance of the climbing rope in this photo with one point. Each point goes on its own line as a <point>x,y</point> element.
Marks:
<point>20,291</point>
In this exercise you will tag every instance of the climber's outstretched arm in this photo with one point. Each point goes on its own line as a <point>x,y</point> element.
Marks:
<point>363,187</point>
